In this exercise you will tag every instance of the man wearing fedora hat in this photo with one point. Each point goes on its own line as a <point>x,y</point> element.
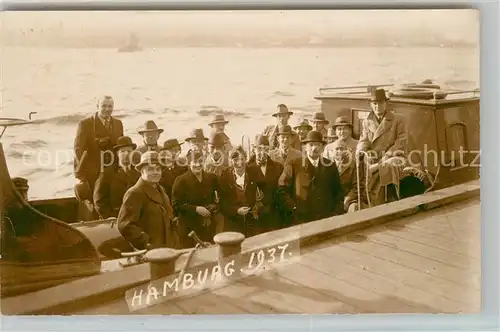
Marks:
<point>171,168</point>
<point>197,140</point>
<point>195,200</point>
<point>217,158</point>
<point>331,136</point>
<point>146,217</point>
<point>310,186</point>
<point>150,135</point>
<point>218,125</point>
<point>284,151</point>
<point>268,174</point>
<point>383,141</point>
<point>93,146</point>
<point>282,116</point>
<point>302,128</point>
<point>112,184</point>
<point>320,122</point>
<point>343,131</point>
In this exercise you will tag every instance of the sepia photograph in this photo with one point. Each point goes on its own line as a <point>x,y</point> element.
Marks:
<point>240,162</point>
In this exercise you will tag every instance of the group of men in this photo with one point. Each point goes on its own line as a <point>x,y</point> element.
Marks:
<point>160,194</point>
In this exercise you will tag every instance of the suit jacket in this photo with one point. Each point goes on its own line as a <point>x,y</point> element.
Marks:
<point>388,136</point>
<point>168,176</point>
<point>87,163</point>
<point>292,154</point>
<point>313,192</point>
<point>187,194</point>
<point>146,217</point>
<point>230,201</point>
<point>272,133</point>
<point>110,188</point>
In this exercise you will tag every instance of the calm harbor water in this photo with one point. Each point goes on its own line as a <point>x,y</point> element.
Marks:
<point>180,88</point>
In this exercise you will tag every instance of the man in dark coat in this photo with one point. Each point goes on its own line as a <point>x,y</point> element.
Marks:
<point>146,218</point>
<point>311,185</point>
<point>194,197</point>
<point>218,126</point>
<point>169,155</point>
<point>93,147</point>
<point>268,172</point>
<point>112,184</point>
<point>238,195</point>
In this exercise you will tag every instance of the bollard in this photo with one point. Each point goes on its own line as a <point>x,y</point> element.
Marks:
<point>162,262</point>
<point>229,245</point>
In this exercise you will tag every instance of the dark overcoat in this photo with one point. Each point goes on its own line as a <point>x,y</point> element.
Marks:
<point>146,216</point>
<point>187,194</point>
<point>110,188</point>
<point>168,176</point>
<point>309,192</point>
<point>87,162</point>
<point>233,197</point>
<point>269,217</point>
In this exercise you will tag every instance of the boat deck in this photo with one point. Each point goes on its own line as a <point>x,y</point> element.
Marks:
<point>426,263</point>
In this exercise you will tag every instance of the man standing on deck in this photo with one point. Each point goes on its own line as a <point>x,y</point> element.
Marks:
<point>218,125</point>
<point>282,116</point>
<point>310,186</point>
<point>171,169</point>
<point>302,128</point>
<point>93,146</point>
<point>284,151</point>
<point>217,158</point>
<point>150,135</point>
<point>112,184</point>
<point>343,131</point>
<point>383,144</point>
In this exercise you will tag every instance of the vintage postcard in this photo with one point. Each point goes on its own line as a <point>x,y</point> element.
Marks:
<point>240,162</point>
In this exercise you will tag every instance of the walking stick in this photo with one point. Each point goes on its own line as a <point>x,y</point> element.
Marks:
<point>358,183</point>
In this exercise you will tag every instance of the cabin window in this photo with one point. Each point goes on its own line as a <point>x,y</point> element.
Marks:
<point>456,143</point>
<point>358,115</point>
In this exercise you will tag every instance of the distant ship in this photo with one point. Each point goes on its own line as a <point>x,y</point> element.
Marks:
<point>132,44</point>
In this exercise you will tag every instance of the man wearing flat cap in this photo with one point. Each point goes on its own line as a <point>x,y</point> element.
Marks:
<point>93,146</point>
<point>282,116</point>
<point>218,126</point>
<point>383,145</point>
<point>195,200</point>
<point>146,217</point>
<point>113,182</point>
<point>310,186</point>
<point>285,152</point>
<point>171,168</point>
<point>268,173</point>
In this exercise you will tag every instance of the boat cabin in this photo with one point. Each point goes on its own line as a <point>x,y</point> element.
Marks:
<point>443,125</point>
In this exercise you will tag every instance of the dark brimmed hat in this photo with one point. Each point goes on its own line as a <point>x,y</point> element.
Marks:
<point>285,130</point>
<point>124,141</point>
<point>149,126</point>
<point>196,134</point>
<point>20,183</point>
<point>320,117</point>
<point>341,121</point>
<point>148,158</point>
<point>171,143</point>
<point>83,192</point>
<point>218,140</point>
<point>282,109</point>
<point>303,123</point>
<point>261,140</point>
<point>314,136</point>
<point>218,118</point>
<point>378,95</point>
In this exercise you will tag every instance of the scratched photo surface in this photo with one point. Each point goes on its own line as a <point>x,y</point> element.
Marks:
<point>240,162</point>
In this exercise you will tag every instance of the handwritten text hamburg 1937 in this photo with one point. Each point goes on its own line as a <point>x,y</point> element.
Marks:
<point>211,275</point>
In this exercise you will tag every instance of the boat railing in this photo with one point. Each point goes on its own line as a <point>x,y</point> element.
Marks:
<point>10,122</point>
<point>363,88</point>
